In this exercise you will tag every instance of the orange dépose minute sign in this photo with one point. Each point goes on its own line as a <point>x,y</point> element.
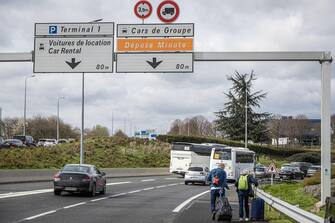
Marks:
<point>143,45</point>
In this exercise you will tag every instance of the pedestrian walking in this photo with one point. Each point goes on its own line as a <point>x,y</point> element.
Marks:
<point>244,190</point>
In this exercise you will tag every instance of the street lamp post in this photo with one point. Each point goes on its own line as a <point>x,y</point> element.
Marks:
<point>246,117</point>
<point>59,98</point>
<point>25,103</point>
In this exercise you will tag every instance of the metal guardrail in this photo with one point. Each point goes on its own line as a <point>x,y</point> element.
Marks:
<point>288,209</point>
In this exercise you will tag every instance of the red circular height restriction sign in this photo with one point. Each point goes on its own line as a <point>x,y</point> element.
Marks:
<point>143,9</point>
<point>168,11</point>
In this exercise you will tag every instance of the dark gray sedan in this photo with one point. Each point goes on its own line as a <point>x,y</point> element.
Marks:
<point>80,178</point>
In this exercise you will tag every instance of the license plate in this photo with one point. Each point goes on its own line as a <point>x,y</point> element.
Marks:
<point>71,188</point>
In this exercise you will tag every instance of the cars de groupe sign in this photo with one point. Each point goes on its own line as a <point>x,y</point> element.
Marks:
<point>74,47</point>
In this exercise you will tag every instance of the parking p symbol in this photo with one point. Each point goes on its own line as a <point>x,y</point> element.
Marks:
<point>52,29</point>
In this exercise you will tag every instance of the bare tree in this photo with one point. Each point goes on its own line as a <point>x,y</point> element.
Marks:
<point>176,127</point>
<point>276,127</point>
<point>301,125</point>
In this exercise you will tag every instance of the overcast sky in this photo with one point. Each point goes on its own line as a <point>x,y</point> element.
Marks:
<point>155,100</point>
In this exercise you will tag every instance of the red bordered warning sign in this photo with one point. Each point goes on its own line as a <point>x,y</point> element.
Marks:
<point>168,11</point>
<point>143,9</point>
<point>272,168</point>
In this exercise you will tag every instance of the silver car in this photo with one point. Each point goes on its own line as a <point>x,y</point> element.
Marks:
<point>312,170</point>
<point>196,175</point>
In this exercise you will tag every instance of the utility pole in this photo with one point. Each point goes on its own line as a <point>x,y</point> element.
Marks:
<point>246,117</point>
<point>25,103</point>
<point>82,119</point>
<point>112,123</point>
<point>58,117</point>
<point>1,123</point>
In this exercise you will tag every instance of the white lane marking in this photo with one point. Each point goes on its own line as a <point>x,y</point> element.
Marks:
<point>42,191</point>
<point>24,193</point>
<point>181,183</point>
<point>148,180</point>
<point>99,199</point>
<point>117,195</point>
<point>171,178</point>
<point>39,215</point>
<point>179,207</point>
<point>117,183</point>
<point>173,184</point>
<point>74,205</point>
<point>148,188</point>
<point>134,191</point>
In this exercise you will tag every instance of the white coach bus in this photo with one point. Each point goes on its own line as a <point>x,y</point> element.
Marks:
<point>235,159</point>
<point>185,155</point>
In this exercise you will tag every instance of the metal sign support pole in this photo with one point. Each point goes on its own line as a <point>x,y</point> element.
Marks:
<point>325,130</point>
<point>82,120</point>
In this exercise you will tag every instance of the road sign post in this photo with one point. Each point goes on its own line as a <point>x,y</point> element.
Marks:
<point>273,170</point>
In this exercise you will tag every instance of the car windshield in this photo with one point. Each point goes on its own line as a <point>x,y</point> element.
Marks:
<point>260,169</point>
<point>287,168</point>
<point>50,140</point>
<point>42,140</point>
<point>76,168</point>
<point>195,169</point>
<point>314,168</point>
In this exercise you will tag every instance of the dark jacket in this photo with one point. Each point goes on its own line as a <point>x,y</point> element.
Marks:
<point>251,180</point>
<point>222,175</point>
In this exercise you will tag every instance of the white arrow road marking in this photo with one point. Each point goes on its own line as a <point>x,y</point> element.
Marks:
<point>182,205</point>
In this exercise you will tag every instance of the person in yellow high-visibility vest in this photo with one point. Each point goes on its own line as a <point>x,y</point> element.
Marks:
<point>243,188</point>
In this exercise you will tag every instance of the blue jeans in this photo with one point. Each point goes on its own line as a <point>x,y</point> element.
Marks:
<point>243,200</point>
<point>214,194</point>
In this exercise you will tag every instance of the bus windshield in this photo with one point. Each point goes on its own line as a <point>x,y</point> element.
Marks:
<point>222,154</point>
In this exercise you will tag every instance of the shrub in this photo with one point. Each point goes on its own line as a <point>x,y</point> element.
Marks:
<point>311,157</point>
<point>259,149</point>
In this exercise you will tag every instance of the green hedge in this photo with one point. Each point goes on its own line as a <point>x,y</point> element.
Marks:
<point>259,149</point>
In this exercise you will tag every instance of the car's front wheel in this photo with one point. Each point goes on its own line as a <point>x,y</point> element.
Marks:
<point>57,192</point>
<point>186,182</point>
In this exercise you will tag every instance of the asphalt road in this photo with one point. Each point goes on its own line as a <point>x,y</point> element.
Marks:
<point>135,199</point>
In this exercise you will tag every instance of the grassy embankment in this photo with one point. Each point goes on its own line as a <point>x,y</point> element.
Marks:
<point>292,193</point>
<point>106,152</point>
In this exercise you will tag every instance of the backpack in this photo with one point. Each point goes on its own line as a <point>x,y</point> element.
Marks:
<point>216,180</point>
<point>243,182</point>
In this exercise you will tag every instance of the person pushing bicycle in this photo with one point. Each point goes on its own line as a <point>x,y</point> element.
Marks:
<point>218,179</point>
